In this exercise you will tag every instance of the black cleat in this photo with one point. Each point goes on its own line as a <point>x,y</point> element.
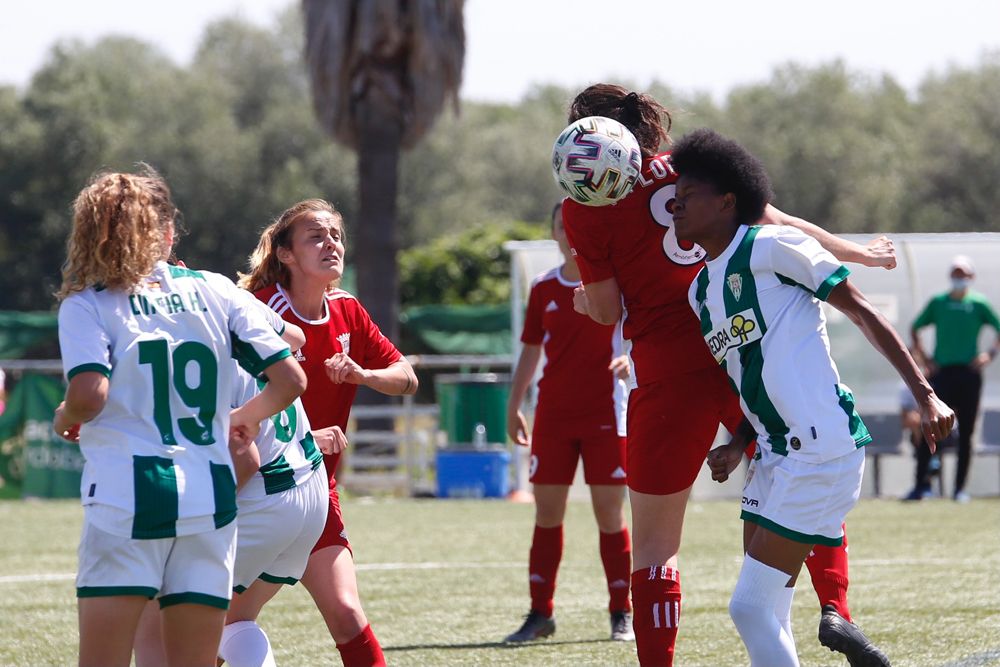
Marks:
<point>621,626</point>
<point>838,634</point>
<point>535,626</point>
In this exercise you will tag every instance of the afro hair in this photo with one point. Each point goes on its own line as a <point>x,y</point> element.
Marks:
<point>709,157</point>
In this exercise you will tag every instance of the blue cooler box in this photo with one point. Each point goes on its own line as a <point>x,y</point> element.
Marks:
<point>473,473</point>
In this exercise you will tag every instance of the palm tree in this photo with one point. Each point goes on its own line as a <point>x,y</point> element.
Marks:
<point>381,72</point>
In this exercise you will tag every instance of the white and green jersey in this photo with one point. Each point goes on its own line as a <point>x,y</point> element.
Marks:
<point>157,457</point>
<point>758,303</point>
<point>285,442</point>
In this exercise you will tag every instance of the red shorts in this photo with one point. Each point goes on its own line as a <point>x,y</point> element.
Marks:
<point>334,533</point>
<point>672,425</point>
<point>554,456</point>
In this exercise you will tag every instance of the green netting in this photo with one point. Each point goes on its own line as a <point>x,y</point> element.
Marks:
<point>457,329</point>
<point>21,331</point>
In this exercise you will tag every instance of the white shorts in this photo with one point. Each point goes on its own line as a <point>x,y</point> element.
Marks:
<point>805,502</point>
<point>277,533</point>
<point>190,569</point>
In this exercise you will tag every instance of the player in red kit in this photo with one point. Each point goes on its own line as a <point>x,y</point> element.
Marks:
<point>294,270</point>
<point>580,414</point>
<point>634,268</point>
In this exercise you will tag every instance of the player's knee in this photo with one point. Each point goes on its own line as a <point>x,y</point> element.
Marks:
<point>610,519</point>
<point>244,644</point>
<point>744,614</point>
<point>342,608</point>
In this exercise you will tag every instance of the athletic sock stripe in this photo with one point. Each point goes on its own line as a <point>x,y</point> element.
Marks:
<point>663,572</point>
<point>656,614</point>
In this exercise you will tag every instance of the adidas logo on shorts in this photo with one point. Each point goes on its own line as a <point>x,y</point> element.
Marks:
<point>618,473</point>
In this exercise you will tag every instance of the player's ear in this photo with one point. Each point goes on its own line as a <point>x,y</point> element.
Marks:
<point>284,255</point>
<point>729,202</point>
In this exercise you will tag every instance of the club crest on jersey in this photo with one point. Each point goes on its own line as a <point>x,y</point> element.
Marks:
<point>735,283</point>
<point>345,342</point>
<point>737,331</point>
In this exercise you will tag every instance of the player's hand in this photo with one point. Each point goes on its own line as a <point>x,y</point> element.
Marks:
<point>63,427</point>
<point>580,303</point>
<point>245,427</point>
<point>880,252</point>
<point>936,420</point>
<point>240,438</point>
<point>981,361</point>
<point>620,367</point>
<point>330,440</point>
<point>341,369</point>
<point>517,428</point>
<point>722,461</point>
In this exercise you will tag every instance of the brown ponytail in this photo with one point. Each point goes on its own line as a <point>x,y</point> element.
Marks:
<point>639,112</point>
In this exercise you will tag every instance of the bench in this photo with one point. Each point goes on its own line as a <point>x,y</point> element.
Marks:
<point>889,439</point>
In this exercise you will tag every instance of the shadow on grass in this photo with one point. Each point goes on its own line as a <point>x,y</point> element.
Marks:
<point>509,645</point>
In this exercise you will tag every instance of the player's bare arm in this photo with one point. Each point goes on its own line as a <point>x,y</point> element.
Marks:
<point>246,456</point>
<point>723,460</point>
<point>602,301</point>
<point>527,362</point>
<point>294,336</point>
<point>937,418</point>
<point>396,379</point>
<point>286,381</point>
<point>85,398</point>
<point>878,252</point>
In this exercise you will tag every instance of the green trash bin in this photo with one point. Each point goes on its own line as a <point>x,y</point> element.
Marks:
<point>466,400</point>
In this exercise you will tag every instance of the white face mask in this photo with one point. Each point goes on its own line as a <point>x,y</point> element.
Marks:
<point>959,284</point>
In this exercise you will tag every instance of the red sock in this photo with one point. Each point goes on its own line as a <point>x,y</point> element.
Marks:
<point>362,651</point>
<point>616,554</point>
<point>656,600</point>
<point>543,564</point>
<point>828,569</point>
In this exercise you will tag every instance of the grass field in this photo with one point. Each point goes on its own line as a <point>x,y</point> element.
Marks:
<point>444,581</point>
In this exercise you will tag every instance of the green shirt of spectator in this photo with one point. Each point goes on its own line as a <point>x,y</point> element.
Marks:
<point>957,316</point>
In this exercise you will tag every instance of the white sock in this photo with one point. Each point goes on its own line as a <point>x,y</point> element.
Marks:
<point>783,611</point>
<point>244,644</point>
<point>753,608</point>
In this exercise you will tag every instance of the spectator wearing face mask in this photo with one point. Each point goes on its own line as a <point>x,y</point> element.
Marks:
<point>957,364</point>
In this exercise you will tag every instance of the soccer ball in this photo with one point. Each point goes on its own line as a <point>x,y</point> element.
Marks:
<point>596,160</point>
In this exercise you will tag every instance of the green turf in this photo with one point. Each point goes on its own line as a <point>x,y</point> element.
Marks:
<point>925,586</point>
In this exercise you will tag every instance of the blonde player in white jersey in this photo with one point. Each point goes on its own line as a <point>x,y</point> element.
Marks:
<point>758,301</point>
<point>146,350</point>
<point>282,510</point>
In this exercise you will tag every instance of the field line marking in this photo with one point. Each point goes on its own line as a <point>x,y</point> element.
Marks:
<point>977,660</point>
<point>23,578</point>
<point>467,565</point>
<point>65,576</point>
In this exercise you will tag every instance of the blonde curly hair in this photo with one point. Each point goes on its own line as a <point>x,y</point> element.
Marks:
<point>122,225</point>
<point>265,267</point>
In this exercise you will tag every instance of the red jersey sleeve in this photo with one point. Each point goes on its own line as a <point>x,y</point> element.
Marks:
<point>379,350</point>
<point>533,332</point>
<point>588,230</point>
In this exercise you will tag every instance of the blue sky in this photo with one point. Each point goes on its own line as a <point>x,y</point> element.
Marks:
<point>707,45</point>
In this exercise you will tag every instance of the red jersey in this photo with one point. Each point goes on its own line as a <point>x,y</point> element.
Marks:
<point>576,388</point>
<point>347,327</point>
<point>634,242</point>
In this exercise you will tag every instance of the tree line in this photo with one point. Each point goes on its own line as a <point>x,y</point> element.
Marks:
<point>235,136</point>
